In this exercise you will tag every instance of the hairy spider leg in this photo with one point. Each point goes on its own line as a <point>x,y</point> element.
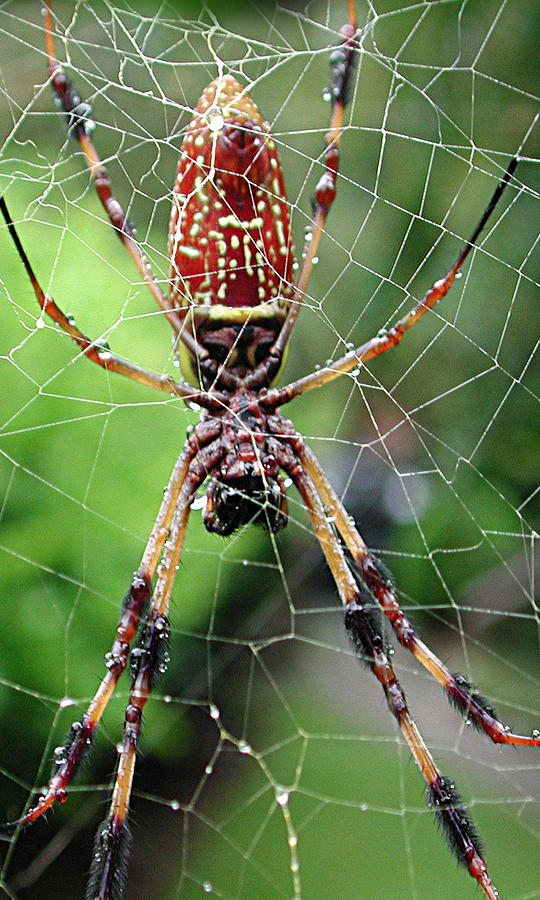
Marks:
<point>368,642</point>
<point>81,125</point>
<point>108,872</point>
<point>462,695</point>
<point>386,340</point>
<point>149,658</point>
<point>69,757</point>
<point>342,63</point>
<point>96,351</point>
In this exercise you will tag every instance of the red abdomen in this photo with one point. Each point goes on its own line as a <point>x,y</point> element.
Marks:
<point>229,238</point>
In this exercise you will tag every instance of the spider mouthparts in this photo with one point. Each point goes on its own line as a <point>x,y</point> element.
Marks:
<point>245,500</point>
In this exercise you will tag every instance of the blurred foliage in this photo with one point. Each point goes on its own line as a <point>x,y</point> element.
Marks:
<point>434,448</point>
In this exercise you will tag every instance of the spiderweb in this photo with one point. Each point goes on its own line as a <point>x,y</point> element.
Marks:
<point>270,765</point>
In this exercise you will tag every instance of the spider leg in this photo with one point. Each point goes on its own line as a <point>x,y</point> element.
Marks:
<point>387,339</point>
<point>112,843</point>
<point>367,639</point>
<point>461,694</point>
<point>81,125</point>
<point>342,63</point>
<point>96,352</point>
<point>68,758</point>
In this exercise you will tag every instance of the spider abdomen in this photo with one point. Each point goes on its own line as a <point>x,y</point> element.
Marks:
<point>229,239</point>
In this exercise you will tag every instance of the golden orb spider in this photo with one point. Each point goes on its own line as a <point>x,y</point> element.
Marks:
<point>232,308</point>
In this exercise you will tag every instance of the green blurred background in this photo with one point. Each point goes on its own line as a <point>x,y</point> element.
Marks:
<point>434,449</point>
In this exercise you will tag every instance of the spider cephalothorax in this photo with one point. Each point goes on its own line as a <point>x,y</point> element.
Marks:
<point>232,307</point>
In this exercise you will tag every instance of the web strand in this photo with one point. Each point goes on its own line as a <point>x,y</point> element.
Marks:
<point>268,759</point>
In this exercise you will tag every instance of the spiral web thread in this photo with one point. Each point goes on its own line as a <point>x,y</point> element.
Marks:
<point>270,766</point>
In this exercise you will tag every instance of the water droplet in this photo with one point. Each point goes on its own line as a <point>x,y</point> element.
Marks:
<point>216,123</point>
<point>315,260</point>
<point>459,274</point>
<point>119,747</point>
<point>175,805</point>
<point>244,747</point>
<point>167,698</point>
<point>214,711</point>
<point>66,701</point>
<point>40,323</point>
<point>535,733</point>
<point>59,755</point>
<point>209,769</point>
<point>282,796</point>
<point>207,886</point>
<point>215,119</point>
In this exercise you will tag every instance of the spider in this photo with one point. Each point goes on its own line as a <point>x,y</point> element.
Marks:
<point>232,306</point>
